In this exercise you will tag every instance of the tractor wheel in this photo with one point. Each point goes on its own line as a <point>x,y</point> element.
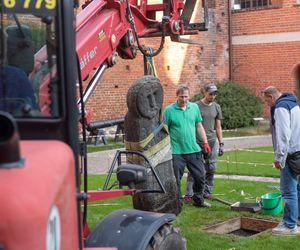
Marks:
<point>167,237</point>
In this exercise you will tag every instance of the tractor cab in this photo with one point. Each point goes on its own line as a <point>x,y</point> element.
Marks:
<point>38,126</point>
<point>37,56</point>
<point>42,205</point>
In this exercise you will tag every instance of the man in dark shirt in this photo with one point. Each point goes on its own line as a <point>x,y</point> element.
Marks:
<point>16,92</point>
<point>212,115</point>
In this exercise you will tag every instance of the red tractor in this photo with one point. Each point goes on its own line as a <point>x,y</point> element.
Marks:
<point>43,54</point>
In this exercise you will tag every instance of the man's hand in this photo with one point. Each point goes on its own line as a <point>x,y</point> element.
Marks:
<point>206,148</point>
<point>277,165</point>
<point>221,149</point>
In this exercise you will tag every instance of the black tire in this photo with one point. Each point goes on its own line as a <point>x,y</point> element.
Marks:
<point>167,237</point>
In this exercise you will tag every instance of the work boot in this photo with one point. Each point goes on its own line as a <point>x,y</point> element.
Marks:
<point>202,204</point>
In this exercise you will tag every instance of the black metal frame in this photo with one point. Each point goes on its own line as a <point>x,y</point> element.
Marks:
<point>117,159</point>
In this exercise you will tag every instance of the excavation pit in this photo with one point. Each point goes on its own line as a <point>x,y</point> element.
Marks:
<point>241,226</point>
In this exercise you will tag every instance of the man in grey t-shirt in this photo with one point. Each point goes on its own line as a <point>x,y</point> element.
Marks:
<point>212,116</point>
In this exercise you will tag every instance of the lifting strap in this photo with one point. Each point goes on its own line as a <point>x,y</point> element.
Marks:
<point>140,145</point>
<point>149,67</point>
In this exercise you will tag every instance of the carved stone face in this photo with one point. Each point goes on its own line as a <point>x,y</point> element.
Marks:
<point>150,99</point>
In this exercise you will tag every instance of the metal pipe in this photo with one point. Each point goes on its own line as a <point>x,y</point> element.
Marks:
<point>111,169</point>
<point>230,41</point>
<point>105,123</point>
<point>93,83</point>
<point>206,14</point>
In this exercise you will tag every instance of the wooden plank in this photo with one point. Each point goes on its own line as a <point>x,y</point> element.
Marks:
<point>257,225</point>
<point>225,227</point>
<point>243,223</point>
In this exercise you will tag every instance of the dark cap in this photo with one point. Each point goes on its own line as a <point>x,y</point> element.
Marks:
<point>210,88</point>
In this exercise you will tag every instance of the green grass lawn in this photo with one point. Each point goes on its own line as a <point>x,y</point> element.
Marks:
<point>259,129</point>
<point>254,162</point>
<point>111,144</point>
<point>192,220</point>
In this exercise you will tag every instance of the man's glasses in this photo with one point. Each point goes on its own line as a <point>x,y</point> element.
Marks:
<point>213,93</point>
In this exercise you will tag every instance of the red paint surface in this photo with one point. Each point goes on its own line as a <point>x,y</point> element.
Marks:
<point>28,193</point>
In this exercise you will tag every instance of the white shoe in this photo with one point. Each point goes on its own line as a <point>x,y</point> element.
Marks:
<point>284,230</point>
<point>281,223</point>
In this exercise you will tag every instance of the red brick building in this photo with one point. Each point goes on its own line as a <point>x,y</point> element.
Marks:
<point>252,42</point>
<point>177,63</point>
<point>265,44</point>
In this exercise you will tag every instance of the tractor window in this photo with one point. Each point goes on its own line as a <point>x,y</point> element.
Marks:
<point>28,66</point>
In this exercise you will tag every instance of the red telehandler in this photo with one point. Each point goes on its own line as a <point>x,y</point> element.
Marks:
<point>46,50</point>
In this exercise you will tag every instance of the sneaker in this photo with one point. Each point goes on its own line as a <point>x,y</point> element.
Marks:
<point>188,199</point>
<point>284,230</point>
<point>203,204</point>
<point>281,223</point>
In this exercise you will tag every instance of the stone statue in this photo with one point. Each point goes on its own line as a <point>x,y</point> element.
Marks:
<point>144,131</point>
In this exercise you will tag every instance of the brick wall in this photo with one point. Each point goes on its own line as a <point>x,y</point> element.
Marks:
<point>271,20</point>
<point>177,63</point>
<point>265,48</point>
<point>264,51</point>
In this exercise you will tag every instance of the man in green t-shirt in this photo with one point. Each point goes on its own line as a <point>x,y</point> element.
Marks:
<point>184,122</point>
<point>212,116</point>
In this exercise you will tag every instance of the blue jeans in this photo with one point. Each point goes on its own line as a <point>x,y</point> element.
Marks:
<point>290,189</point>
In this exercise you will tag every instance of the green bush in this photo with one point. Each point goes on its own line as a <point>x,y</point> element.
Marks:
<point>239,105</point>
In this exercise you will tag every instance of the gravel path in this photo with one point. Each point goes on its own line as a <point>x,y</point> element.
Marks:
<point>99,162</point>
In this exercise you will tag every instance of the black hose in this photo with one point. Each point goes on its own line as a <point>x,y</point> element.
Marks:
<point>162,41</point>
<point>161,46</point>
<point>84,156</point>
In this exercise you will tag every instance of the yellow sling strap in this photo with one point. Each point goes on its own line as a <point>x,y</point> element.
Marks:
<point>142,144</point>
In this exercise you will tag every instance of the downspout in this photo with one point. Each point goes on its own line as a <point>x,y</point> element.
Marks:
<point>230,40</point>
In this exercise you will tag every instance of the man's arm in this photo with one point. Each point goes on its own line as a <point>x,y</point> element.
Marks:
<point>219,130</point>
<point>219,133</point>
<point>165,117</point>
<point>201,134</point>
<point>283,135</point>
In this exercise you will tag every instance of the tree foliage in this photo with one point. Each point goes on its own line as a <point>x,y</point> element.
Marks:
<point>239,105</point>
